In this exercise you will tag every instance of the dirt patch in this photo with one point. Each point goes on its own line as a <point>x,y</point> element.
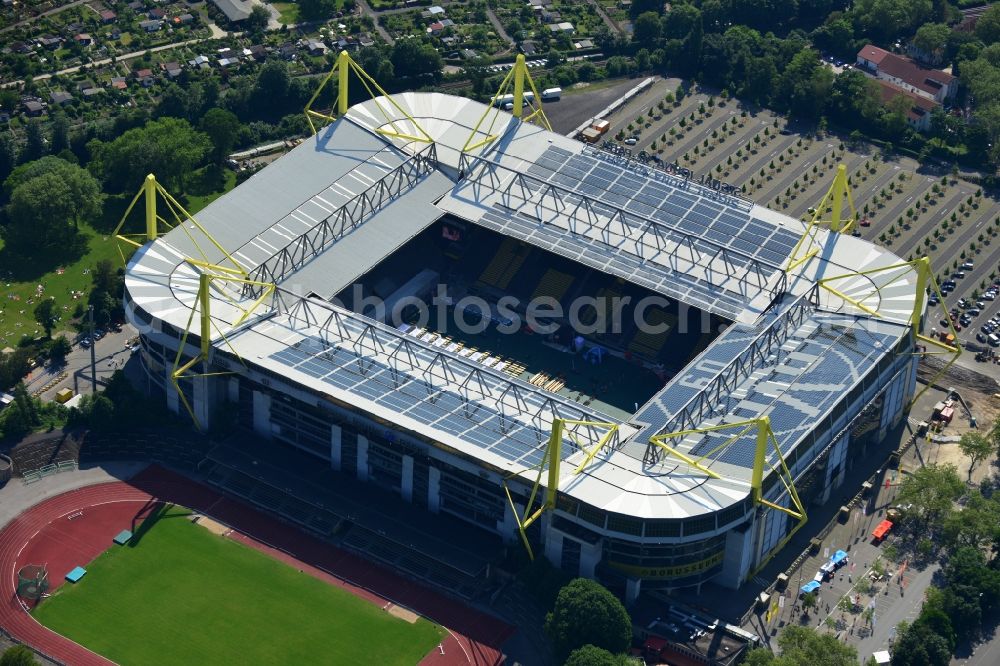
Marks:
<point>402,613</point>
<point>211,525</point>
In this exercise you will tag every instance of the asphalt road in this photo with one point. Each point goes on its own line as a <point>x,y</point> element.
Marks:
<point>581,104</point>
<point>110,354</point>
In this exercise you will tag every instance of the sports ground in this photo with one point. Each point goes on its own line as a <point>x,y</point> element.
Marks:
<point>254,589</point>
<point>180,594</point>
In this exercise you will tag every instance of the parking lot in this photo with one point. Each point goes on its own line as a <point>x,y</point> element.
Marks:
<point>914,210</point>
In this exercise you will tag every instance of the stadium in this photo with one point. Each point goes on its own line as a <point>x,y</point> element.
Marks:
<point>751,358</point>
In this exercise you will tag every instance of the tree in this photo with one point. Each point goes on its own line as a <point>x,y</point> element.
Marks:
<point>804,84</point>
<point>37,215</point>
<point>802,646</point>
<point>585,612</point>
<point>8,156</point>
<point>976,448</point>
<point>272,82</point>
<point>83,187</point>
<point>168,147</point>
<point>46,315</point>
<point>258,19</point>
<point>18,655</point>
<point>412,57</point>
<point>919,645</point>
<point>222,128</point>
<point>60,133</point>
<point>59,349</point>
<point>34,144</point>
<point>932,490</point>
<point>646,30</point>
<point>317,10</point>
<point>932,38</point>
<point>590,655</point>
<point>988,26</point>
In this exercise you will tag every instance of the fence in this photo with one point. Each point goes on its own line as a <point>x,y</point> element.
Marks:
<point>48,470</point>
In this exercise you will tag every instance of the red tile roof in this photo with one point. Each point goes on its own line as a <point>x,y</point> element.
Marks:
<point>919,106</point>
<point>904,69</point>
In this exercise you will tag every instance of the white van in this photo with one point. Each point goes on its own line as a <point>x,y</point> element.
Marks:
<point>994,340</point>
<point>551,94</point>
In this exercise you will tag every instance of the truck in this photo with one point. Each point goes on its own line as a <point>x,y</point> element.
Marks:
<point>551,94</point>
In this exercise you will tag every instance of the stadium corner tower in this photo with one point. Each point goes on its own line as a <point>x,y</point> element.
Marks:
<point>672,458</point>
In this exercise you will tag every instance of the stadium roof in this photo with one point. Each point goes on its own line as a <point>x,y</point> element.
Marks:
<point>337,204</point>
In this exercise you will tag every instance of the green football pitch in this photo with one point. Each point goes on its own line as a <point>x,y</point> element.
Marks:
<point>183,595</point>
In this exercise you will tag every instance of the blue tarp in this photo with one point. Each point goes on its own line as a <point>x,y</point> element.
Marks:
<point>838,557</point>
<point>811,586</point>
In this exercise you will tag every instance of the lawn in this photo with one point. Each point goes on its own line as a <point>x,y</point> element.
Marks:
<point>183,595</point>
<point>19,279</point>
<point>288,12</point>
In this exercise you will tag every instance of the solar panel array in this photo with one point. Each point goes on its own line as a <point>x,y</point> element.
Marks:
<point>816,367</point>
<point>667,201</point>
<point>432,397</point>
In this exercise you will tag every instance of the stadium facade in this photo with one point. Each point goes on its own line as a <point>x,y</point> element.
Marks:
<point>421,418</point>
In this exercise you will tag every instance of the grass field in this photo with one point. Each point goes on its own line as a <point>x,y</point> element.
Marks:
<point>182,595</point>
<point>60,278</point>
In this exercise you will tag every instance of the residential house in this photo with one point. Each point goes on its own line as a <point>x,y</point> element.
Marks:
<point>137,6</point>
<point>144,77</point>
<point>316,47</point>
<point>529,48</point>
<point>85,84</point>
<point>171,69</point>
<point>157,14</point>
<point>90,93</point>
<point>108,17</point>
<point>288,52</point>
<point>932,84</point>
<point>228,62</point>
<point>150,25</point>
<point>257,51</point>
<point>227,53</point>
<point>83,39</point>
<point>73,28</point>
<point>33,107</point>
<point>918,115</point>
<point>60,97</point>
<point>564,26</point>
<point>119,83</point>
<point>184,19</point>
<point>583,44</point>
<point>434,12</point>
<point>365,39</point>
<point>235,10</point>
<point>50,42</point>
<point>19,47</point>
<point>201,62</point>
<point>440,26</point>
<point>468,54</point>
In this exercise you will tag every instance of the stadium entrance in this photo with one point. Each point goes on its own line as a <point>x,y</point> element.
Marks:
<point>591,337</point>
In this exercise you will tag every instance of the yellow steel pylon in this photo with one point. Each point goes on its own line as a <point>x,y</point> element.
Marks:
<point>551,460</point>
<point>154,221</point>
<point>342,69</point>
<point>925,282</point>
<point>516,77</point>
<point>203,306</point>
<point>834,199</point>
<point>764,434</point>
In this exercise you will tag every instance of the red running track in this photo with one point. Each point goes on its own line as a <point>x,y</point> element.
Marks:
<point>44,533</point>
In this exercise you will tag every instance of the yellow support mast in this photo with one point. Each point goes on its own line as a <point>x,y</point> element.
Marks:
<point>763,435</point>
<point>925,282</point>
<point>516,77</point>
<point>834,199</point>
<point>551,460</point>
<point>342,69</point>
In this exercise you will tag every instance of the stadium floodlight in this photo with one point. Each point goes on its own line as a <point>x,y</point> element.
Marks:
<point>834,199</point>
